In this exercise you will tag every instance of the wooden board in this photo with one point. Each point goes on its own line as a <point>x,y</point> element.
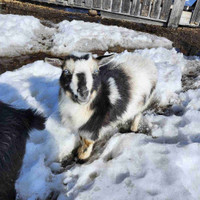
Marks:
<point>77,2</point>
<point>106,4</point>
<point>133,6</point>
<point>145,7</point>
<point>156,9</point>
<point>196,14</point>
<point>137,7</point>
<point>116,5</point>
<point>125,6</point>
<point>132,18</point>
<point>88,3</point>
<point>71,2</point>
<point>176,12</point>
<point>97,3</point>
<point>165,9</point>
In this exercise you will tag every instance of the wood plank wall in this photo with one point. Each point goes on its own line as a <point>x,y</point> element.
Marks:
<point>164,11</point>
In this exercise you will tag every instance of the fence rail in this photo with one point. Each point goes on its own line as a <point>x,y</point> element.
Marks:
<point>159,12</point>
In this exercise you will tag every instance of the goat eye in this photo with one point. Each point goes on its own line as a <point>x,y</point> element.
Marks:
<point>67,72</point>
<point>96,71</point>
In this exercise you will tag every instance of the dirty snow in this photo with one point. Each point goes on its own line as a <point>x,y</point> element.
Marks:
<point>21,35</point>
<point>26,34</point>
<point>132,166</point>
<point>85,36</point>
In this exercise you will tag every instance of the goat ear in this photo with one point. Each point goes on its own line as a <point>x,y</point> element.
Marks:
<point>101,60</point>
<point>104,56</point>
<point>54,61</point>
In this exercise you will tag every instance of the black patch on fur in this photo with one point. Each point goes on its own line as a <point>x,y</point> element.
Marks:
<point>75,58</point>
<point>65,80</point>
<point>152,89</point>
<point>81,82</point>
<point>15,125</point>
<point>104,111</point>
<point>104,56</point>
<point>144,99</point>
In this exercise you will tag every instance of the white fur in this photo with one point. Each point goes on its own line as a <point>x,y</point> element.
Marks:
<point>74,84</point>
<point>114,93</point>
<point>81,66</point>
<point>85,134</point>
<point>143,74</point>
<point>73,115</point>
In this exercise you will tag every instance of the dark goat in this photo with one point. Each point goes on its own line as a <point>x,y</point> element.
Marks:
<point>15,125</point>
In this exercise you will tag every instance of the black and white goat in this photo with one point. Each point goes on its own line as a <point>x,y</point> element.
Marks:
<point>15,125</point>
<point>93,98</point>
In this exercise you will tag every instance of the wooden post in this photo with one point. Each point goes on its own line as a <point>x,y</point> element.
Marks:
<point>1,6</point>
<point>116,5</point>
<point>71,2</point>
<point>145,7</point>
<point>176,12</point>
<point>88,3</point>
<point>137,8</point>
<point>133,5</point>
<point>97,3</point>
<point>196,14</point>
<point>165,9</point>
<point>106,4</point>
<point>78,2</point>
<point>156,9</point>
<point>125,6</point>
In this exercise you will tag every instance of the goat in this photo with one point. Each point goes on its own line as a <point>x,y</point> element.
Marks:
<point>92,98</point>
<point>15,125</point>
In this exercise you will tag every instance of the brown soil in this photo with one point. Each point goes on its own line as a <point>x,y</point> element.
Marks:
<point>12,63</point>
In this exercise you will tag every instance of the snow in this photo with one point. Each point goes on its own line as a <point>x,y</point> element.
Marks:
<point>85,36</point>
<point>22,34</point>
<point>25,34</point>
<point>131,166</point>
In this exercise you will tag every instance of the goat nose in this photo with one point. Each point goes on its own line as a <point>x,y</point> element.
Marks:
<point>83,91</point>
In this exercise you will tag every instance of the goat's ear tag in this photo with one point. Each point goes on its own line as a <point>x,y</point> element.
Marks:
<point>54,61</point>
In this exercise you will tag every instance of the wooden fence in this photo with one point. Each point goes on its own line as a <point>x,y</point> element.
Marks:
<point>158,12</point>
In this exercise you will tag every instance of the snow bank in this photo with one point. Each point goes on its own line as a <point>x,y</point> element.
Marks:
<point>25,34</point>
<point>85,36</point>
<point>132,166</point>
<point>170,65</point>
<point>22,34</point>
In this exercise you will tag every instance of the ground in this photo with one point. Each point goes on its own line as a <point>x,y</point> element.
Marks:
<point>161,165</point>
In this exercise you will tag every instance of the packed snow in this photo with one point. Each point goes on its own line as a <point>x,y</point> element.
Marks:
<point>85,36</point>
<point>22,34</point>
<point>163,165</point>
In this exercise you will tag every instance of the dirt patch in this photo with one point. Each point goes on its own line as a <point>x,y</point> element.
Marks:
<point>191,78</point>
<point>12,63</point>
